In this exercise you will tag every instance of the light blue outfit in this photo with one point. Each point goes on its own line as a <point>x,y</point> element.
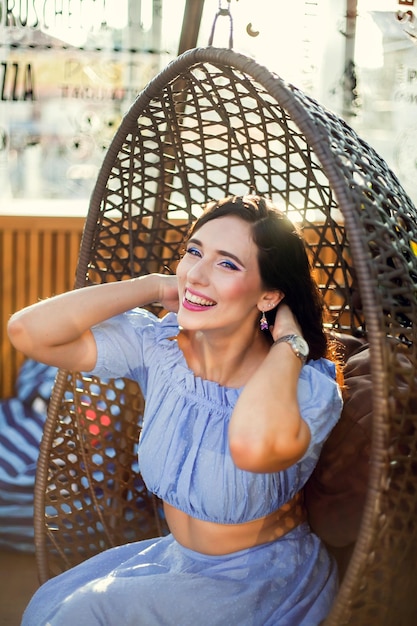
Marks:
<point>184,459</point>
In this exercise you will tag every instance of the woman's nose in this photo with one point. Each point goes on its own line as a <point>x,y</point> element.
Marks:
<point>198,273</point>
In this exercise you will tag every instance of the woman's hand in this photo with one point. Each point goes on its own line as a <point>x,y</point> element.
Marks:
<point>285,323</point>
<point>168,292</point>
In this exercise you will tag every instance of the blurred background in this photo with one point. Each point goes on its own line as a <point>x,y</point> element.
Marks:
<point>69,69</point>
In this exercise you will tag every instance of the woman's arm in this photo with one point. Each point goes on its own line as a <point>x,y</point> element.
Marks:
<point>266,432</point>
<point>57,331</point>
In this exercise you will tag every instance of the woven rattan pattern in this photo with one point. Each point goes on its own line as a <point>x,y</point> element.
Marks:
<point>215,123</point>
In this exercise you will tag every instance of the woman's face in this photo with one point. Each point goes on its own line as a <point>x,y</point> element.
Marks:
<point>218,278</point>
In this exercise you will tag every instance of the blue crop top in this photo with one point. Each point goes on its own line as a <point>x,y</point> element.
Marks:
<point>183,450</point>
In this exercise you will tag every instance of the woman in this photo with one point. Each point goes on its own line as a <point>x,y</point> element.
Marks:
<point>234,422</point>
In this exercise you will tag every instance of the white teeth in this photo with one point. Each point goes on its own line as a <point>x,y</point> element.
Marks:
<point>197,300</point>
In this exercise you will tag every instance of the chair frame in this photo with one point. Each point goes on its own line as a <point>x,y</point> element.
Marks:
<point>377,215</point>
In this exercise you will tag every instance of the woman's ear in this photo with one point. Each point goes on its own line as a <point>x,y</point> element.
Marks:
<point>270,300</point>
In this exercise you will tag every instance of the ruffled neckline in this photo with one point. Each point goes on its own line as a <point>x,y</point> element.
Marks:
<point>175,361</point>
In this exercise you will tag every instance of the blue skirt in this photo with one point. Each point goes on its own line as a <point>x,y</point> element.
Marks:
<point>158,582</point>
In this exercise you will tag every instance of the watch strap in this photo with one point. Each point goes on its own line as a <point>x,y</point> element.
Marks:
<point>291,339</point>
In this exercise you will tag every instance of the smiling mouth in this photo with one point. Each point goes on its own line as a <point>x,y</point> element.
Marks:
<point>198,300</point>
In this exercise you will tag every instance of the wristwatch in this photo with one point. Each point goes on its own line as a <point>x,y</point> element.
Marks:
<point>298,344</point>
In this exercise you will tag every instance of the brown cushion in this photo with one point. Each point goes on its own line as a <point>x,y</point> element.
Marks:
<point>335,494</point>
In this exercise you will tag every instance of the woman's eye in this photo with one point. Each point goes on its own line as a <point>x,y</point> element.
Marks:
<point>229,265</point>
<point>193,251</point>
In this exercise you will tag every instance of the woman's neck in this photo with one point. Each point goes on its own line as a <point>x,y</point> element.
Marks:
<point>227,360</point>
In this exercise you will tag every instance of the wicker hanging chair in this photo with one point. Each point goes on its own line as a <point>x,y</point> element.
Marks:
<point>215,123</point>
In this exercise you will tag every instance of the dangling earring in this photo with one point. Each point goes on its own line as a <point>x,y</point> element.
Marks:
<point>263,322</point>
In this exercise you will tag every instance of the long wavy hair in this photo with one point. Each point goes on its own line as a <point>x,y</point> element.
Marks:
<point>283,261</point>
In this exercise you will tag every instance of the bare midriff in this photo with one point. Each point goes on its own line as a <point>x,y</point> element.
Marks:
<point>216,539</point>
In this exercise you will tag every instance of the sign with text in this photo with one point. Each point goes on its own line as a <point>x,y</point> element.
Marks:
<point>68,73</point>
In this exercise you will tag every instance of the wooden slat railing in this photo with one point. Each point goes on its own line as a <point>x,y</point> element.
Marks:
<point>38,257</point>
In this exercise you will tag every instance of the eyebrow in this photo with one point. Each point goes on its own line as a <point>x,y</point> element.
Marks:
<point>219,252</point>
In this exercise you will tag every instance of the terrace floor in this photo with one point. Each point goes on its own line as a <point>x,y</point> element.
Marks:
<point>18,582</point>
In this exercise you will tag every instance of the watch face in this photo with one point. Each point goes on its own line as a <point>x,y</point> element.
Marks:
<point>301,346</point>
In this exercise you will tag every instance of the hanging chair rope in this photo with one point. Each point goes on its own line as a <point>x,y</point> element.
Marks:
<point>222,12</point>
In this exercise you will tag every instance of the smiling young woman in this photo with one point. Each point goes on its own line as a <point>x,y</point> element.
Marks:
<point>239,394</point>
<point>221,299</point>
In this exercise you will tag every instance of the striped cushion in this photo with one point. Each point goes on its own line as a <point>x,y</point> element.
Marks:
<point>21,426</point>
